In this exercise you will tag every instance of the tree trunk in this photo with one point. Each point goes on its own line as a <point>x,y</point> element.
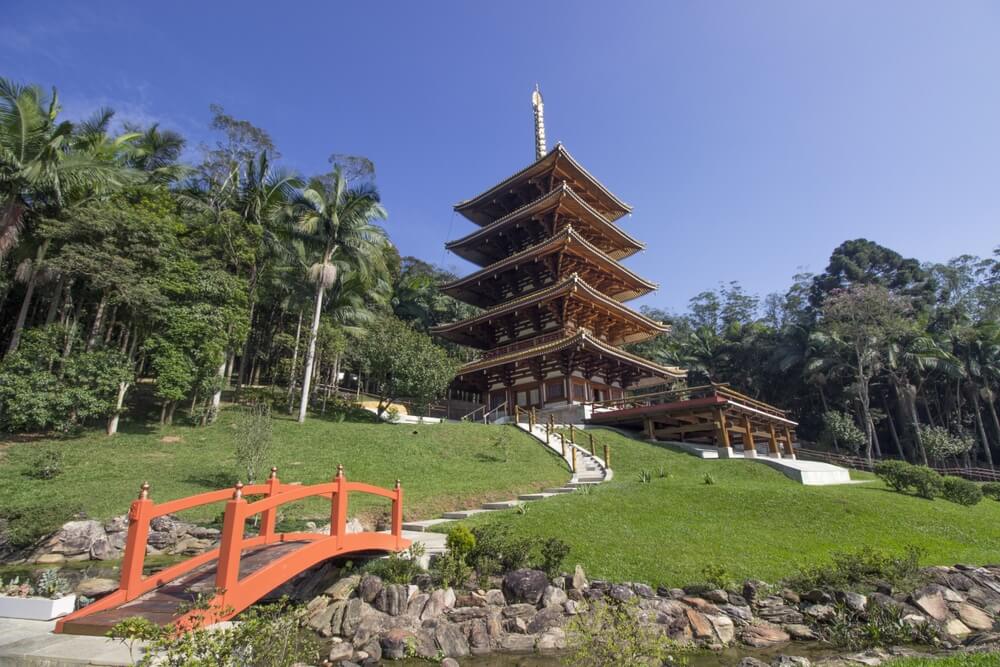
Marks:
<point>230,362</point>
<point>95,328</point>
<point>170,412</point>
<point>977,413</point>
<point>113,420</point>
<point>311,351</point>
<point>295,362</point>
<point>217,394</point>
<point>29,292</point>
<point>57,298</point>
<point>246,349</point>
<point>112,321</point>
<point>892,428</point>
<point>993,413</point>
<point>163,413</point>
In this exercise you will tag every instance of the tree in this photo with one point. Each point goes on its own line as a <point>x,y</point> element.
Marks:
<point>864,318</point>
<point>401,362</point>
<point>338,222</point>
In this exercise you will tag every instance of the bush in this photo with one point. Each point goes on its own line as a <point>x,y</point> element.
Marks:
<point>461,541</point>
<point>925,482</point>
<point>878,625</point>
<point>553,553</point>
<point>398,567</point>
<point>266,636</point>
<point>865,567</point>
<point>450,569</point>
<point>893,473</point>
<point>839,429</point>
<point>960,490</point>
<point>941,443</point>
<point>991,490</point>
<point>45,465</point>
<point>496,551</point>
<point>613,634</point>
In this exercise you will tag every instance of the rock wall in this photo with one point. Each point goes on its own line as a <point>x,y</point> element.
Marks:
<point>370,620</point>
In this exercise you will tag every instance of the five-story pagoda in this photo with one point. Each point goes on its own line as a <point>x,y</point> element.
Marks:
<point>551,288</point>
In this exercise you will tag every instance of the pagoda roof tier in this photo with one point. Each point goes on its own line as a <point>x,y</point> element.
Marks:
<point>570,303</point>
<point>565,352</point>
<point>565,252</point>
<point>537,178</point>
<point>525,226</point>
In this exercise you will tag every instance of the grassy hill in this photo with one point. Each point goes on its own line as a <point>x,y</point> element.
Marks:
<point>442,467</point>
<point>752,520</point>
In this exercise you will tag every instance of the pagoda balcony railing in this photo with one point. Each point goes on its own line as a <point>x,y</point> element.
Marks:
<point>686,394</point>
<point>525,344</point>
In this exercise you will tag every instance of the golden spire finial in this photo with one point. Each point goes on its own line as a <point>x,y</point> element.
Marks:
<point>539,108</point>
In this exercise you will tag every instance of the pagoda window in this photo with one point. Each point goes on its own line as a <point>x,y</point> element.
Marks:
<point>555,391</point>
<point>579,390</point>
<point>528,396</point>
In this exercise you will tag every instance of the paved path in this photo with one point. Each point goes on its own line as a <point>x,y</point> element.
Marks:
<point>24,643</point>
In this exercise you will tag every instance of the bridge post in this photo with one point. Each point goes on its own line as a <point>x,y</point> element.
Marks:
<point>268,517</point>
<point>338,507</point>
<point>397,515</point>
<point>228,572</point>
<point>135,543</point>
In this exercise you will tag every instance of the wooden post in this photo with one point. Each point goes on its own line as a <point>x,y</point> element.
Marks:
<point>749,449</point>
<point>572,434</point>
<point>593,450</point>
<point>722,435</point>
<point>562,441</point>
<point>773,444</point>
<point>231,546</point>
<point>552,420</point>
<point>607,456</point>
<point>397,515</point>
<point>135,542</point>
<point>338,507</point>
<point>268,517</point>
<point>573,450</point>
<point>789,443</point>
<point>533,418</point>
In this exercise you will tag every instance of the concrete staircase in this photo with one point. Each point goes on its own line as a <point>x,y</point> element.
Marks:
<point>590,470</point>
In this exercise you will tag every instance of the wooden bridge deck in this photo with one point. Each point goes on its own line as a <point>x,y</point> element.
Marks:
<point>164,604</point>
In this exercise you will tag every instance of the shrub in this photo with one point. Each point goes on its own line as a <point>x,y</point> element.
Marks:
<point>496,550</point>
<point>553,553</point>
<point>398,567</point>
<point>718,575</point>
<point>461,541</point>
<point>450,569</point>
<point>45,465</point>
<point>925,482</point>
<point>941,443</point>
<point>612,634</point>
<point>253,437</point>
<point>991,490</point>
<point>879,625</point>
<point>266,636</point>
<point>645,477</point>
<point>865,567</point>
<point>960,490</point>
<point>893,473</point>
<point>839,429</point>
<point>708,479</point>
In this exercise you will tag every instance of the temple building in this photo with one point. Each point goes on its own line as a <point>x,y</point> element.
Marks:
<point>552,289</point>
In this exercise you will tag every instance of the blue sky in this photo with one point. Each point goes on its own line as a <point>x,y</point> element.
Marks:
<point>750,137</point>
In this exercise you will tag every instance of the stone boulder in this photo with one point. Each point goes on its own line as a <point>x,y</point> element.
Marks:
<point>95,587</point>
<point>392,599</point>
<point>450,640</point>
<point>762,635</point>
<point>369,588</point>
<point>525,586</point>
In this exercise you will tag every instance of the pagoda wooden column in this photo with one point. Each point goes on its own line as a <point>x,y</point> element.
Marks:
<point>749,450</point>
<point>789,444</point>
<point>772,444</point>
<point>722,435</point>
<point>647,424</point>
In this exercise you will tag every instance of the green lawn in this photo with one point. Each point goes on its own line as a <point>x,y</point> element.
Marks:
<point>442,467</point>
<point>753,521</point>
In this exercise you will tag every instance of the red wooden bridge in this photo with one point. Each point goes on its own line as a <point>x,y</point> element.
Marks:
<point>243,569</point>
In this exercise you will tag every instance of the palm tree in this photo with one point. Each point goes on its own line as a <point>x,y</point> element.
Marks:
<point>338,222</point>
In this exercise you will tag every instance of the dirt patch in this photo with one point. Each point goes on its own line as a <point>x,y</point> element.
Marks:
<point>171,438</point>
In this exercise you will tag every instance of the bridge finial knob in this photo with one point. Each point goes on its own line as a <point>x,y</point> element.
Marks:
<point>238,491</point>
<point>144,491</point>
<point>398,484</point>
<point>274,472</point>
<point>340,470</point>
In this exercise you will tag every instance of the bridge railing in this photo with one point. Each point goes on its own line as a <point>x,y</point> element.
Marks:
<point>233,539</point>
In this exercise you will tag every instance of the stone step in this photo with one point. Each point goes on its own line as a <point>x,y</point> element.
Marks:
<point>502,505</point>
<point>541,495</point>
<point>579,483</point>
<point>422,526</point>
<point>463,514</point>
<point>561,489</point>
